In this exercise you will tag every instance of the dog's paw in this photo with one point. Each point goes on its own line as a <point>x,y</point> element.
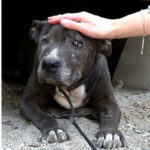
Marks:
<point>58,135</point>
<point>110,140</point>
<point>53,136</point>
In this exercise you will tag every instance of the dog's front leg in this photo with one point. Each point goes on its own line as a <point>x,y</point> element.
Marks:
<point>46,124</point>
<point>109,117</point>
<point>108,112</point>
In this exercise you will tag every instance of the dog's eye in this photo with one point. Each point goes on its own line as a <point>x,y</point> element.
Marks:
<point>44,41</point>
<point>77,44</point>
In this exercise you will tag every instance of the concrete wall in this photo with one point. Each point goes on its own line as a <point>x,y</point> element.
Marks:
<point>133,68</point>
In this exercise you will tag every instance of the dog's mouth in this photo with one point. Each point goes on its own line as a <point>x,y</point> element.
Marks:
<point>56,81</point>
<point>63,78</point>
<point>61,84</point>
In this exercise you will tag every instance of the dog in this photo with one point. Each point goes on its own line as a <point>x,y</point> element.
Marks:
<point>69,60</point>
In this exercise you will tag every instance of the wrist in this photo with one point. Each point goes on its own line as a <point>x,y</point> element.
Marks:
<point>114,30</point>
<point>122,27</point>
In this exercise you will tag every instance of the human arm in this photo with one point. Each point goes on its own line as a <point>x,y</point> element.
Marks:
<point>98,27</point>
<point>132,26</point>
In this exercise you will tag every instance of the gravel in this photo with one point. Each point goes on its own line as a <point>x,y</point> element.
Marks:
<point>19,134</point>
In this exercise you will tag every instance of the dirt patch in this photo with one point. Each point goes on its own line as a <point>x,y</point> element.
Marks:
<point>18,134</point>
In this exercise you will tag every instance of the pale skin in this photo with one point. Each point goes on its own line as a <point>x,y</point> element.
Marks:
<point>98,27</point>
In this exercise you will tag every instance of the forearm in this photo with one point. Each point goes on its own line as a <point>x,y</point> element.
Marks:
<point>131,25</point>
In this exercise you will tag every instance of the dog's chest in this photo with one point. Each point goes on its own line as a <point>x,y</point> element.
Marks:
<point>77,97</point>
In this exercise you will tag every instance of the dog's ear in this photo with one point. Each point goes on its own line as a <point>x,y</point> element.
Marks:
<point>36,29</point>
<point>104,47</point>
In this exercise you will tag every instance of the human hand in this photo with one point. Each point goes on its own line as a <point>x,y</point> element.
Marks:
<point>90,25</point>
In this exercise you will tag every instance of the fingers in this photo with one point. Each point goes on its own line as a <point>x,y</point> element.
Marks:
<point>72,24</point>
<point>77,21</point>
<point>71,16</point>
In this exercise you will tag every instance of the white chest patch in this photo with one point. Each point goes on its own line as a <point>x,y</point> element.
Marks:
<point>77,97</point>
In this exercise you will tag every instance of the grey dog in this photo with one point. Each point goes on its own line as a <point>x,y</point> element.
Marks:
<point>63,59</point>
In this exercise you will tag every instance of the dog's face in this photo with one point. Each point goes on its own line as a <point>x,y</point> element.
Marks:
<point>64,56</point>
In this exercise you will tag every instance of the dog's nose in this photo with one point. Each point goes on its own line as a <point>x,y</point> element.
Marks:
<point>51,64</point>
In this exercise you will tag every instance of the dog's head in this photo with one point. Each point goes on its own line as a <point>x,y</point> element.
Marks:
<point>64,56</point>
